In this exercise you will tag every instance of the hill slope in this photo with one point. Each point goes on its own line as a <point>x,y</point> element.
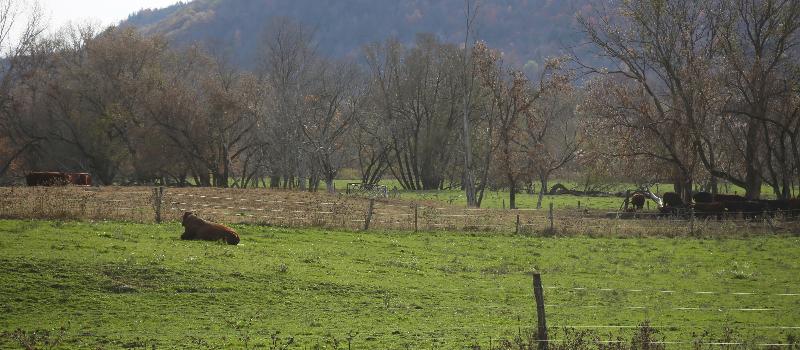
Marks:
<point>526,30</point>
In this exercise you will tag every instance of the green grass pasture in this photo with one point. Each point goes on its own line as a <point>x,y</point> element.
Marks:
<point>116,285</point>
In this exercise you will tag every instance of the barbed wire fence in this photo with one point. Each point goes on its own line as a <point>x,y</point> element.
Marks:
<point>532,319</point>
<point>658,293</point>
<point>292,209</point>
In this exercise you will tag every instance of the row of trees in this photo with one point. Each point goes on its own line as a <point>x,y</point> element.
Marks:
<point>699,91</point>
<point>130,109</point>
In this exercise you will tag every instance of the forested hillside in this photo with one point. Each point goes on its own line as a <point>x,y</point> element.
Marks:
<point>525,30</point>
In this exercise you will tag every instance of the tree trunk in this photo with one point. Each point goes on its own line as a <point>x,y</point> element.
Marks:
<point>714,185</point>
<point>288,182</point>
<point>683,187</point>
<point>329,184</point>
<point>512,195</point>
<point>469,180</point>
<point>430,180</point>
<point>221,179</point>
<point>753,173</point>
<point>542,190</point>
<point>274,181</point>
<point>204,179</point>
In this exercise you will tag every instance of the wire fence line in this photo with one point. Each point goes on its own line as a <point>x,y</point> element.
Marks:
<point>666,291</point>
<point>440,337</point>
<point>528,314</point>
<point>522,291</point>
<point>339,211</point>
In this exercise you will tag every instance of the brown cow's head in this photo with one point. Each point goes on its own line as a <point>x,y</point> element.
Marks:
<point>186,215</point>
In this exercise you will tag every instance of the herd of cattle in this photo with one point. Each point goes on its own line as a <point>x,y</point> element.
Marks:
<point>58,179</point>
<point>719,206</point>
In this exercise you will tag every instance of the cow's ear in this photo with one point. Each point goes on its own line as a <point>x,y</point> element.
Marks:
<point>186,215</point>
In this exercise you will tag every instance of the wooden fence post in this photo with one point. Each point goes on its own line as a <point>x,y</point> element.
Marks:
<point>158,198</point>
<point>538,294</point>
<point>626,201</point>
<point>416,209</point>
<point>552,227</point>
<point>368,217</point>
<point>691,221</point>
<point>516,231</point>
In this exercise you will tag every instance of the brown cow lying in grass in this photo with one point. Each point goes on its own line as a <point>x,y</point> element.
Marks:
<point>197,228</point>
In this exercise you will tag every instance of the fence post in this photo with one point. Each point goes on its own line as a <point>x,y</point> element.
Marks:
<point>416,208</point>
<point>368,218</point>
<point>538,294</point>
<point>552,227</point>
<point>516,230</point>
<point>768,220</point>
<point>579,204</point>
<point>626,201</point>
<point>691,221</point>
<point>158,197</point>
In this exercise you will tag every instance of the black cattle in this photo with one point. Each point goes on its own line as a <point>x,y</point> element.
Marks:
<point>747,209</point>
<point>703,197</point>
<point>638,200</point>
<point>775,206</point>
<point>728,198</point>
<point>672,199</point>
<point>793,207</point>
<point>708,210</point>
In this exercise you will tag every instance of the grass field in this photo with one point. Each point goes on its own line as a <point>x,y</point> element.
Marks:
<point>499,199</point>
<point>117,285</point>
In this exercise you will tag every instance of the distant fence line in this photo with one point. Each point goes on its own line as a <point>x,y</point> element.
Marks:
<point>302,209</point>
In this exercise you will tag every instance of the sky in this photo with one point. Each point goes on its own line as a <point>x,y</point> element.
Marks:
<point>105,12</point>
<point>58,13</point>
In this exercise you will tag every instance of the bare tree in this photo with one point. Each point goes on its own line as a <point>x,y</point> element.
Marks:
<point>329,113</point>
<point>467,72</point>
<point>552,139</point>
<point>759,56</point>
<point>285,71</point>
<point>509,98</point>
<point>23,56</point>
<point>416,93</point>
<point>207,112</point>
<point>95,95</point>
<point>656,96</point>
